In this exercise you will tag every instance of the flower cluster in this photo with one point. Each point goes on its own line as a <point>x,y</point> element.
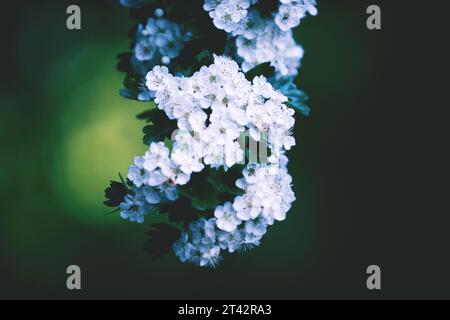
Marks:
<point>291,12</point>
<point>212,108</point>
<point>240,225</point>
<point>212,112</point>
<point>154,177</point>
<point>271,45</point>
<point>157,42</point>
<point>229,15</point>
<point>262,40</point>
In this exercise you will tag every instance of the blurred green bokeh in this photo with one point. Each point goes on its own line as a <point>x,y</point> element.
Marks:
<point>66,132</point>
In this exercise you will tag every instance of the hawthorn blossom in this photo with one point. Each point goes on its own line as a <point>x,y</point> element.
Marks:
<point>259,40</point>
<point>212,109</point>
<point>226,217</point>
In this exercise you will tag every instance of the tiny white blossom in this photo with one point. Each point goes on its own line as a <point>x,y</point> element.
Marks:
<point>226,218</point>
<point>157,77</point>
<point>247,207</point>
<point>134,207</point>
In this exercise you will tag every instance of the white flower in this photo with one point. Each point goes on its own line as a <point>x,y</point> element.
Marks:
<point>204,248</point>
<point>209,256</point>
<point>211,4</point>
<point>231,241</point>
<point>288,142</point>
<point>257,226</point>
<point>158,41</point>
<point>226,218</point>
<point>156,178</point>
<point>289,16</point>
<point>261,87</point>
<point>144,50</point>
<point>136,172</point>
<point>236,105</point>
<point>165,60</point>
<point>183,249</point>
<point>260,120</point>
<point>155,156</point>
<point>223,131</point>
<point>263,40</point>
<point>272,45</point>
<point>268,195</point>
<point>233,154</point>
<point>310,6</point>
<point>159,13</point>
<point>157,77</point>
<point>255,230</point>
<point>212,109</point>
<point>173,173</point>
<point>197,120</point>
<point>247,207</point>
<point>251,26</point>
<point>227,14</point>
<point>214,155</point>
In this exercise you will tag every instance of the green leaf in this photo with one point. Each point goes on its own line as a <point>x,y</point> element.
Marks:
<point>264,69</point>
<point>161,127</point>
<point>211,188</point>
<point>146,115</point>
<point>152,134</point>
<point>202,196</point>
<point>224,182</point>
<point>267,7</point>
<point>180,211</point>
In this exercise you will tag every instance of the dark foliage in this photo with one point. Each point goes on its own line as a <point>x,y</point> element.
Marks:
<point>160,126</point>
<point>264,69</point>
<point>180,211</point>
<point>115,194</point>
<point>208,189</point>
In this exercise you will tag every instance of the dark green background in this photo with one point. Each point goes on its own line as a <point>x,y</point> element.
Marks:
<point>364,194</point>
